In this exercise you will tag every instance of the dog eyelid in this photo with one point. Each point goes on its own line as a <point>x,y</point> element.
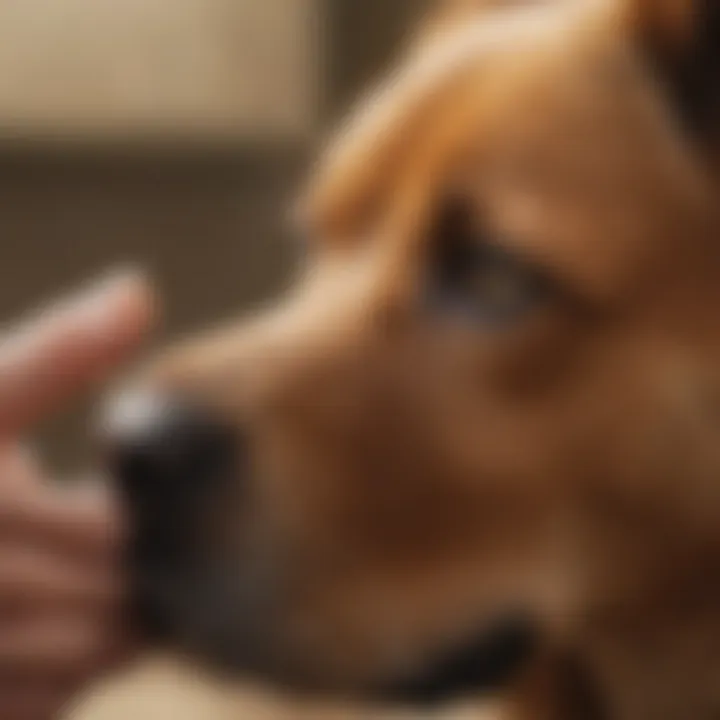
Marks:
<point>477,277</point>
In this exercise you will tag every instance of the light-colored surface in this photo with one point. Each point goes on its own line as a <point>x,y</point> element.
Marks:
<point>164,689</point>
<point>138,66</point>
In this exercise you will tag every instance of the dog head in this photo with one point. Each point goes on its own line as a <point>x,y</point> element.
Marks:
<point>494,386</point>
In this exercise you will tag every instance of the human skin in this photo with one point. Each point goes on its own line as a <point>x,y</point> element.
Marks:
<point>61,588</point>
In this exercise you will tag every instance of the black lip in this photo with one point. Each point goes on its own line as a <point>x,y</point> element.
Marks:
<point>486,663</point>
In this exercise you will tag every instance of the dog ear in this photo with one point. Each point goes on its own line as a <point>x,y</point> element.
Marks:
<point>681,41</point>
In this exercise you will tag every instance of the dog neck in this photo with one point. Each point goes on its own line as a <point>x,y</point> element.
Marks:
<point>663,665</point>
<point>650,626</point>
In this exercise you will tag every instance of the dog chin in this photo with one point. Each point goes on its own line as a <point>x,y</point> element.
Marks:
<point>226,630</point>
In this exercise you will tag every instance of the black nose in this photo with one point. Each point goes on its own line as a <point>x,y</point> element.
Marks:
<point>171,461</point>
<point>163,451</point>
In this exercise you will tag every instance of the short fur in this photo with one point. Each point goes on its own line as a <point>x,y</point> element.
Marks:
<point>415,476</point>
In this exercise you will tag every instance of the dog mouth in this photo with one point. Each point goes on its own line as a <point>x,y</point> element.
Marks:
<point>484,664</point>
<point>190,596</point>
<point>231,625</point>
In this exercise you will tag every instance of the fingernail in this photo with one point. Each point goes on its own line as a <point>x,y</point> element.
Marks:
<point>124,292</point>
<point>113,281</point>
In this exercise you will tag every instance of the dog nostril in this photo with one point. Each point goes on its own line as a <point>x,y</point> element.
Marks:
<point>172,462</point>
<point>160,448</point>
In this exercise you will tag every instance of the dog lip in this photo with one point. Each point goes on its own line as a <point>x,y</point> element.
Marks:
<point>486,663</point>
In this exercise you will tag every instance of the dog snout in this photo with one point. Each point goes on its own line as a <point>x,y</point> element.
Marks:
<point>161,448</point>
<point>170,461</point>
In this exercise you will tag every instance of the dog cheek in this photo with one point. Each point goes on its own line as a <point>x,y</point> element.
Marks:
<point>539,359</point>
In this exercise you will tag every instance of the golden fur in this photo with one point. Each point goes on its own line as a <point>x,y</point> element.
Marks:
<point>571,464</point>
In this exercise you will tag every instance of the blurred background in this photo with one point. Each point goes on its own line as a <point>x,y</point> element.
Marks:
<point>170,134</point>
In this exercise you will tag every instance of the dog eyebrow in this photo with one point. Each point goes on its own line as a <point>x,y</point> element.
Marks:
<point>369,145</point>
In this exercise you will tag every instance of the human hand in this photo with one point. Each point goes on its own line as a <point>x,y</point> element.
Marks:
<point>60,586</point>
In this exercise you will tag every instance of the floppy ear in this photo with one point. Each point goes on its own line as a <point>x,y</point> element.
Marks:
<point>681,40</point>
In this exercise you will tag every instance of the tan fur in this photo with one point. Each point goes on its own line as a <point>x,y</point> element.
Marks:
<point>571,464</point>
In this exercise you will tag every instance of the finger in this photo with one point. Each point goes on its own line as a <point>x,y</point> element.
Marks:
<point>85,517</point>
<point>57,647</point>
<point>119,647</point>
<point>20,473</point>
<point>35,697</point>
<point>88,526</point>
<point>30,578</point>
<point>68,346</point>
<point>32,702</point>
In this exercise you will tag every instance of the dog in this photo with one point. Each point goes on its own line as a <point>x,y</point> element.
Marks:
<point>470,465</point>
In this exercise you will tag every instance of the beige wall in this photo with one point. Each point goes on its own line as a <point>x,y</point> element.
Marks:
<point>181,66</point>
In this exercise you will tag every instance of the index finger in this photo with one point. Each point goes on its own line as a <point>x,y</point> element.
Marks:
<point>69,345</point>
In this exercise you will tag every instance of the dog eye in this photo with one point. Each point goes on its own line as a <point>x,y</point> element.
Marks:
<point>477,279</point>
